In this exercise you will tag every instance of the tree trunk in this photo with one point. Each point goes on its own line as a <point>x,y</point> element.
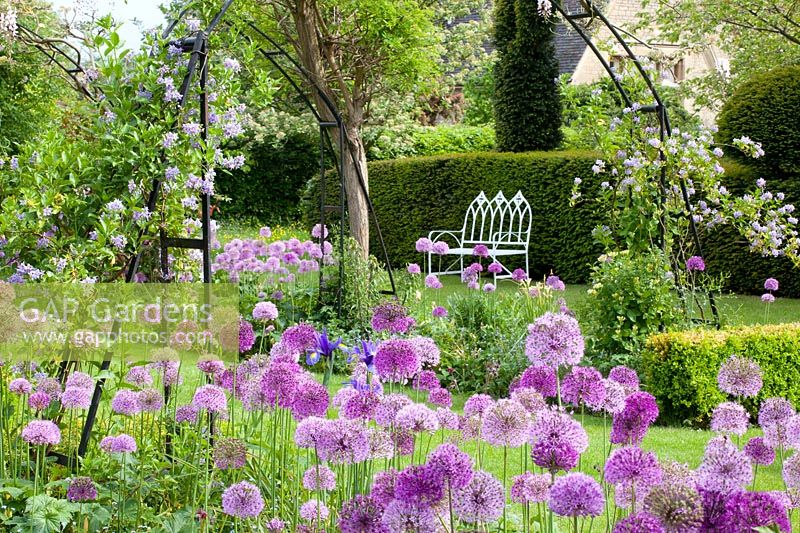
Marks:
<point>357,207</point>
<point>308,48</point>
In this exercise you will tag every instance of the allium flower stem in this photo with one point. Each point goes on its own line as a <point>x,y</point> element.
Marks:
<point>450,503</point>
<point>505,477</point>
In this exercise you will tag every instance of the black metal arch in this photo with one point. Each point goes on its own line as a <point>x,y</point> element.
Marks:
<point>591,11</point>
<point>68,58</point>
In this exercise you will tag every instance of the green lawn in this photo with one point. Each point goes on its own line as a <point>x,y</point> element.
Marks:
<point>735,310</point>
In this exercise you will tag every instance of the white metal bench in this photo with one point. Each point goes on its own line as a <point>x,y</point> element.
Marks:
<point>502,225</point>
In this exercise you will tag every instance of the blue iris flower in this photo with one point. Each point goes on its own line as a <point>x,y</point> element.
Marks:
<point>365,351</point>
<point>323,347</point>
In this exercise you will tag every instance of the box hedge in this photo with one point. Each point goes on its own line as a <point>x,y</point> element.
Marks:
<point>415,195</point>
<point>680,369</point>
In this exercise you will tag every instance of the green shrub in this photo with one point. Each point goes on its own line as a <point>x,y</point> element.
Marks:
<point>527,103</point>
<point>680,369</point>
<point>631,297</point>
<point>764,108</point>
<point>269,188</point>
<point>416,140</point>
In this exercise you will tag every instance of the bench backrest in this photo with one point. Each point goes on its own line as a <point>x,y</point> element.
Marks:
<point>498,221</point>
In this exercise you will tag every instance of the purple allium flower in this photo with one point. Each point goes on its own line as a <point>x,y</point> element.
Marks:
<point>746,511</point>
<point>427,351</point>
<point>432,282</point>
<point>554,339</point>
<point>299,338</point>
<point>791,471</point>
<point>314,511</point>
<point>495,268</point>
<point>452,465</point>
<point>625,376</point>
<point>730,417</point>
<point>362,514</point>
<point>576,494</point>
<point>319,477</point>
<point>139,376</point>
<point>401,517</point>
<point>312,432</point>
<point>447,419</point>
<point>541,378</point>
<point>397,360</point>
<point>381,445</point>
<point>417,418</point>
<point>20,386</point>
<point>361,405</point>
<point>211,398</point>
<point>481,501</point>
<point>186,414</point>
<point>695,263</point>
<point>740,376</point>
<point>759,452</point>
<point>276,525</point>
<point>631,424</point>
<point>633,467</point>
<point>247,336</point>
<point>584,385</point>
<point>391,317</point>
<point>413,269</point>
<point>310,398</point>
<point>678,506</point>
<point>242,500</point>
<point>531,488</point>
<point>477,404</point>
<point>265,311</point>
<point>122,443</point>
<point>211,366</point>
<point>229,454</point>
<point>79,379</point>
<point>505,423</point>
<point>553,424</point>
<point>424,245</point>
<point>554,454</point>
<point>382,490</point>
<point>771,284</point>
<point>81,489</point>
<point>614,401</point>
<point>440,397</point>
<point>419,485</point>
<point>426,381</point>
<point>641,522</point>
<point>41,432</point>
<point>489,287</point>
<point>724,468</point>
<point>531,400</point>
<point>76,398</point>
<point>150,400</point>
<point>279,382</point>
<point>480,250</point>
<point>767,298</point>
<point>440,248</point>
<point>50,386</point>
<point>439,312</point>
<point>519,275</point>
<point>344,442</point>
<point>39,401</point>
<point>126,402</point>
<point>555,283</point>
<point>391,404</point>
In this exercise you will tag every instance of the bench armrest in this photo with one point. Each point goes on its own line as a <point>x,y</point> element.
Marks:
<point>437,233</point>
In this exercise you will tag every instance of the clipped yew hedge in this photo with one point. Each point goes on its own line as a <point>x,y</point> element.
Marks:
<point>415,195</point>
<point>680,369</point>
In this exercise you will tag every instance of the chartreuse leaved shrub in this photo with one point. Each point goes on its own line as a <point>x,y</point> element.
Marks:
<point>680,369</point>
